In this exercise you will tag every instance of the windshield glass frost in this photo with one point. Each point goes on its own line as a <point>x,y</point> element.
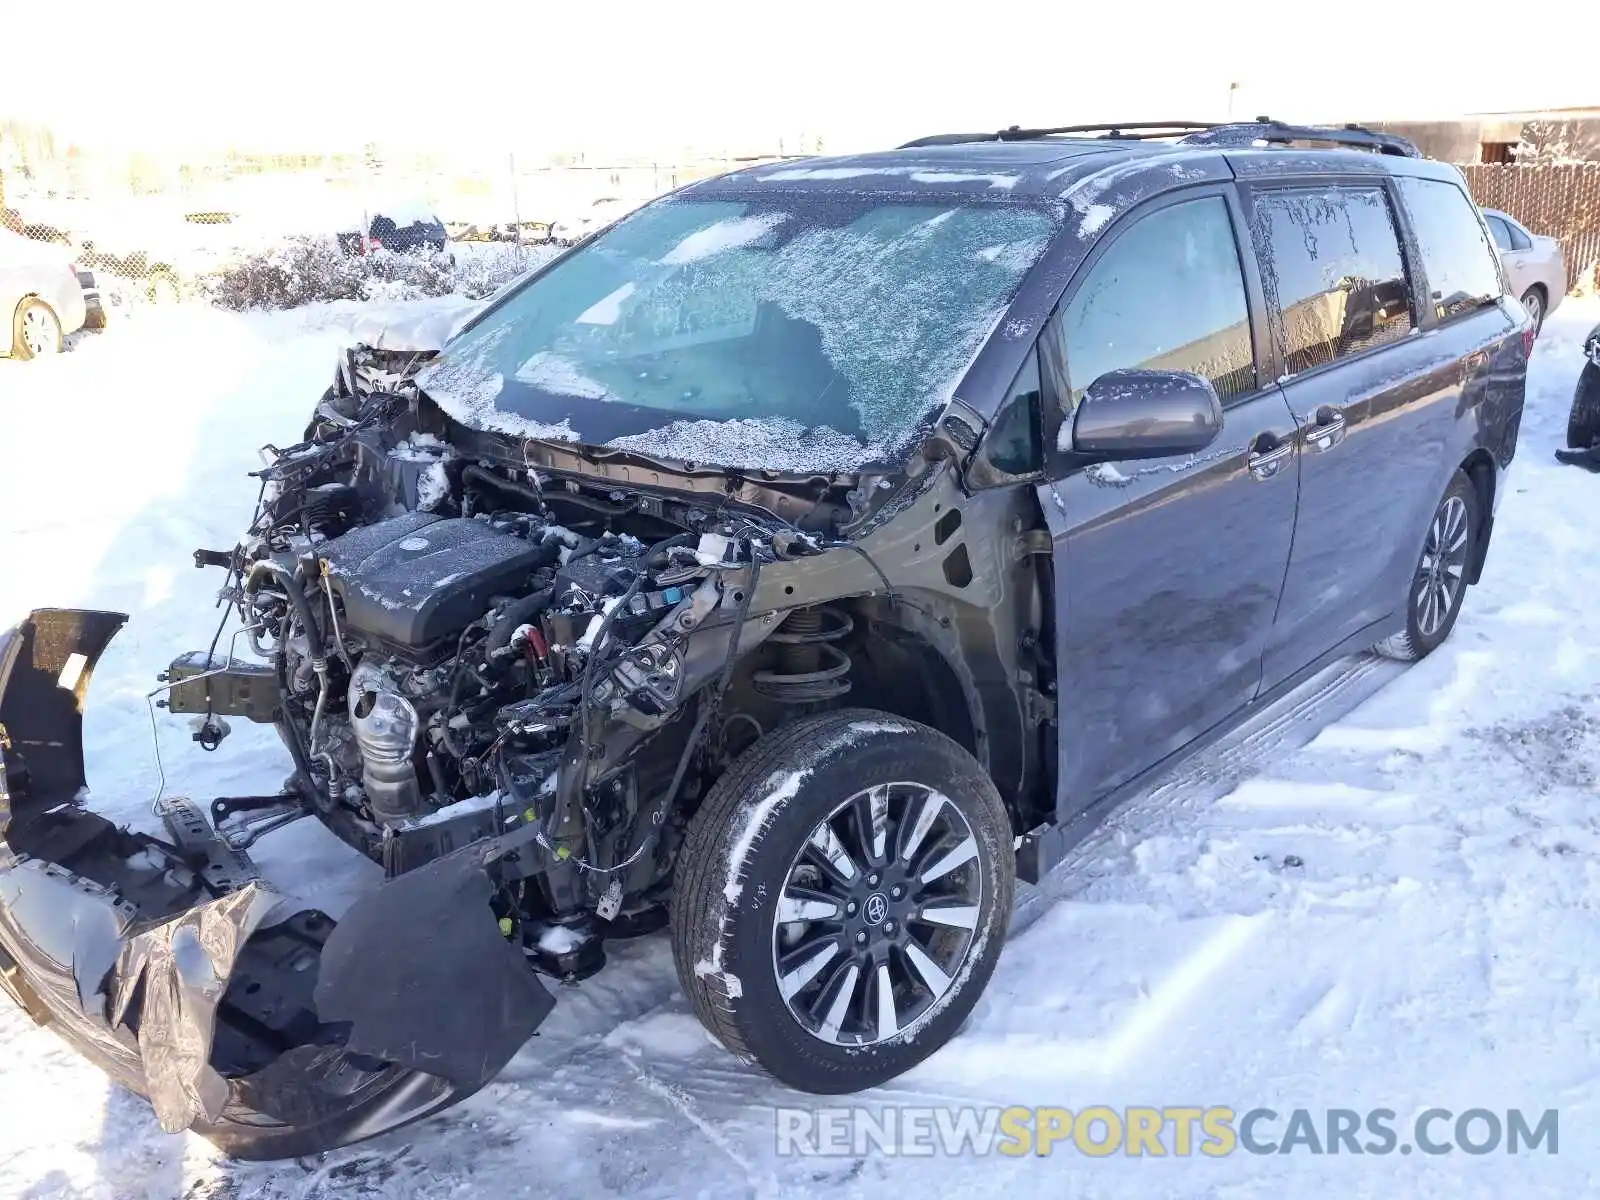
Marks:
<point>795,333</point>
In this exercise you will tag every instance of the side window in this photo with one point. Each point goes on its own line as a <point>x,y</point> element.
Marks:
<point>1168,295</point>
<point>1501,232</point>
<point>1519,237</point>
<point>1332,271</point>
<point>1014,444</point>
<point>1462,269</point>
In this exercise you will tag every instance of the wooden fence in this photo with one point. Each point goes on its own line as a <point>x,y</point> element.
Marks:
<point>1560,201</point>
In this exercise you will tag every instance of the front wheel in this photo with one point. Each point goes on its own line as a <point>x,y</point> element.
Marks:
<point>1439,584</point>
<point>842,898</point>
<point>35,330</point>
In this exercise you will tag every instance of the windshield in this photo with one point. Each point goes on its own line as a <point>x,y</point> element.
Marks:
<point>808,332</point>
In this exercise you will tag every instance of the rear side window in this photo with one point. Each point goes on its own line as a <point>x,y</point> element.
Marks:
<point>1167,296</point>
<point>1332,271</point>
<point>1463,272</point>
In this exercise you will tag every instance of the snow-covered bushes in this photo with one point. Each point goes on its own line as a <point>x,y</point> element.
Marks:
<point>305,270</point>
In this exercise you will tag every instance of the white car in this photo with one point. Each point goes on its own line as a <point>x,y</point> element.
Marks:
<point>40,295</point>
<point>1534,264</point>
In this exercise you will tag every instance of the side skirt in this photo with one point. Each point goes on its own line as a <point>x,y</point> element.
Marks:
<point>1043,847</point>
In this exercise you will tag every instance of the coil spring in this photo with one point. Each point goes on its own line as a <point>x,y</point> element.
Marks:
<point>810,665</point>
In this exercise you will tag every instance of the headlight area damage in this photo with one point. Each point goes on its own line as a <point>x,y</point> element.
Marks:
<point>240,1012</point>
<point>510,688</point>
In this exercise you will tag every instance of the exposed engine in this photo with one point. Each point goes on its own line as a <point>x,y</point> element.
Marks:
<point>451,632</point>
<point>461,648</point>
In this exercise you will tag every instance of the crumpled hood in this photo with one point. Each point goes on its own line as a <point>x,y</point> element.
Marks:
<point>414,327</point>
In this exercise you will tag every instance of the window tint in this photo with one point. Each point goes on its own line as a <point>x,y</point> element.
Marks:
<point>1501,232</point>
<point>1014,446</point>
<point>1332,271</point>
<point>1519,237</point>
<point>1167,296</point>
<point>1463,272</point>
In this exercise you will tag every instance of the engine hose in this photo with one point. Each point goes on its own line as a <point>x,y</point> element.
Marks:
<point>293,588</point>
<point>516,614</point>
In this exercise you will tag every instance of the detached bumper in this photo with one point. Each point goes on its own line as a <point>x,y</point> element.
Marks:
<point>240,1012</point>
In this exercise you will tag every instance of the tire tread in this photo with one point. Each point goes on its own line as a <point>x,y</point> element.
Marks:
<point>699,909</point>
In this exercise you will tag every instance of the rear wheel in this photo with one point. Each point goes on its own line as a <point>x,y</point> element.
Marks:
<point>842,898</point>
<point>1439,584</point>
<point>35,330</point>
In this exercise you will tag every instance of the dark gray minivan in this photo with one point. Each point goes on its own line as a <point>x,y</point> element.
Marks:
<point>796,562</point>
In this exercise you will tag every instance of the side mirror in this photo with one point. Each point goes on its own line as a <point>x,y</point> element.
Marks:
<point>1146,414</point>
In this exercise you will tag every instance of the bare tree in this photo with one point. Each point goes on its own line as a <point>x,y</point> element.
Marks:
<point>1554,143</point>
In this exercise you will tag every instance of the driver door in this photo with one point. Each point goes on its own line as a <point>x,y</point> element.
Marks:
<point>1168,571</point>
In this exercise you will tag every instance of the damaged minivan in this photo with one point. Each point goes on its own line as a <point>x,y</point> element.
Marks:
<point>791,567</point>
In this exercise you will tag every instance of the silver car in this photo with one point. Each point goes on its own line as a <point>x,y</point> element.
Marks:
<point>40,294</point>
<point>1534,264</point>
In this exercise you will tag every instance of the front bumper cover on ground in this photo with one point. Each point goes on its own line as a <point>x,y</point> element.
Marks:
<point>240,1012</point>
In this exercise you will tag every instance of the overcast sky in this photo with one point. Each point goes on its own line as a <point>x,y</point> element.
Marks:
<point>485,76</point>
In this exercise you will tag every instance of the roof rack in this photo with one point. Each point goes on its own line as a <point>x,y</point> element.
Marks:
<point>1124,130</point>
<point>1265,129</point>
<point>1196,133</point>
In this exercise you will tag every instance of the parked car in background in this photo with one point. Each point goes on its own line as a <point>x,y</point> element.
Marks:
<point>1535,264</point>
<point>399,228</point>
<point>41,297</point>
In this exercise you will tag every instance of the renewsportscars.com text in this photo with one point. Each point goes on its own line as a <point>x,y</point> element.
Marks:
<point>1178,1131</point>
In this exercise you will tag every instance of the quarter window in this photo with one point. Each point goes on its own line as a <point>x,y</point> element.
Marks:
<point>1014,444</point>
<point>1463,271</point>
<point>1332,271</point>
<point>1168,295</point>
<point>1501,233</point>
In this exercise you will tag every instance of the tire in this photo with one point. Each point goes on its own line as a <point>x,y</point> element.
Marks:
<point>1533,300</point>
<point>35,330</point>
<point>1432,602</point>
<point>758,835</point>
<point>1583,422</point>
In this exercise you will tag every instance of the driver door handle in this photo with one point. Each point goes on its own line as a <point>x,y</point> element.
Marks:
<point>1267,455</point>
<point>1326,431</point>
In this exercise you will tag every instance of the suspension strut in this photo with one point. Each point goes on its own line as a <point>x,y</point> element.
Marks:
<point>811,666</point>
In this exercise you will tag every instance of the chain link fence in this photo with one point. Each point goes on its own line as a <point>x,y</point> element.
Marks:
<point>1559,200</point>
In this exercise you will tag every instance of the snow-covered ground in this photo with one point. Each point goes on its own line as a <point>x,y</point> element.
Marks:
<point>1385,893</point>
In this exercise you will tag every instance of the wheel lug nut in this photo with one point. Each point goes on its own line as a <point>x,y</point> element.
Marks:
<point>861,938</point>
<point>850,909</point>
<point>872,881</point>
<point>897,891</point>
<point>888,926</point>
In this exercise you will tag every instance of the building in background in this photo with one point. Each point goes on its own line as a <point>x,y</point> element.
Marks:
<point>1558,135</point>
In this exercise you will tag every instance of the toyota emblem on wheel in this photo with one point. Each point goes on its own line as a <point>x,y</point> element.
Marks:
<point>876,908</point>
